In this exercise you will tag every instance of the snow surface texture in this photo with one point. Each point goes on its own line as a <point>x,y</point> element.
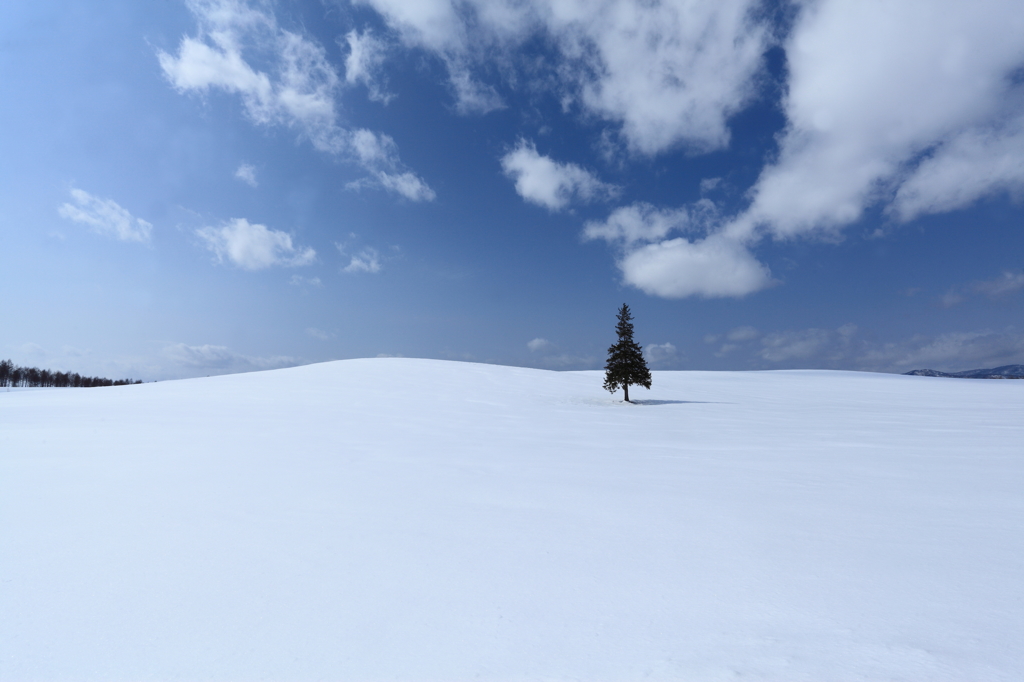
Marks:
<point>423,520</point>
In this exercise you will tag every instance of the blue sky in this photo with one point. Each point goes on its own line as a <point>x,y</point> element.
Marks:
<point>193,188</point>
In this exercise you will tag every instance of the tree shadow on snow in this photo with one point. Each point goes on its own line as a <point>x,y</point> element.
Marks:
<point>669,402</point>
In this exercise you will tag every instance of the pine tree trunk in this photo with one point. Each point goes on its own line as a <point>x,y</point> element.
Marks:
<point>626,389</point>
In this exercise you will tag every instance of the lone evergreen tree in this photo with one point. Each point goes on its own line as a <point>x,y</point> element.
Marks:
<point>626,365</point>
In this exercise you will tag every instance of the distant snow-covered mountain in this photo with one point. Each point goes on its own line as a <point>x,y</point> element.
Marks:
<point>1004,372</point>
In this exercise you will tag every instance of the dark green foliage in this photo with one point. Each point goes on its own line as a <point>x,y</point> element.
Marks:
<point>626,365</point>
<point>12,375</point>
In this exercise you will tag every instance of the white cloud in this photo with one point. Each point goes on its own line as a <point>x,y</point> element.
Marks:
<point>317,333</point>
<point>742,334</point>
<point>247,174</point>
<point>709,184</point>
<point>471,96</point>
<point>363,64</point>
<point>407,184</point>
<point>538,344</point>
<point>951,352</point>
<point>566,361</point>
<point>669,73</point>
<point>106,217</point>
<point>543,181</point>
<point>209,359</point>
<point>1007,283</point>
<point>379,154</point>
<point>299,280</point>
<point>367,260</point>
<point>951,298</point>
<point>659,354</point>
<point>926,114</point>
<point>782,346</point>
<point>298,90</point>
<point>844,348</point>
<point>926,120</point>
<point>710,268</point>
<point>972,164</point>
<point>640,222</point>
<point>252,246</point>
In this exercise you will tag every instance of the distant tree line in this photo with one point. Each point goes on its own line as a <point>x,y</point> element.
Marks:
<point>33,377</point>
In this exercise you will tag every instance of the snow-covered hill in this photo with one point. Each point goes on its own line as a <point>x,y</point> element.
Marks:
<point>422,520</point>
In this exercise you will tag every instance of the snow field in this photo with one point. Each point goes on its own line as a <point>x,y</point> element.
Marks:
<point>396,519</point>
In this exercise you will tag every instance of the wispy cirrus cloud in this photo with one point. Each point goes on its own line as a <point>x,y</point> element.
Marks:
<point>1005,284</point>
<point>318,333</point>
<point>105,217</point>
<point>366,53</point>
<point>300,281</point>
<point>299,89</point>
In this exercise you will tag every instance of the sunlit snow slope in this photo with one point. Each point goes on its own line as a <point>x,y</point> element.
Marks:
<point>422,520</point>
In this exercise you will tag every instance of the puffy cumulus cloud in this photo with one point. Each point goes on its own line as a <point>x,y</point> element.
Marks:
<point>716,265</point>
<point>252,246</point>
<point>543,181</point>
<point>661,354</point>
<point>713,267</point>
<point>366,54</point>
<point>106,217</point>
<point>189,360</point>
<point>299,90</point>
<point>247,174</point>
<point>539,344</point>
<point>926,120</point>
<point>912,104</point>
<point>668,73</point>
